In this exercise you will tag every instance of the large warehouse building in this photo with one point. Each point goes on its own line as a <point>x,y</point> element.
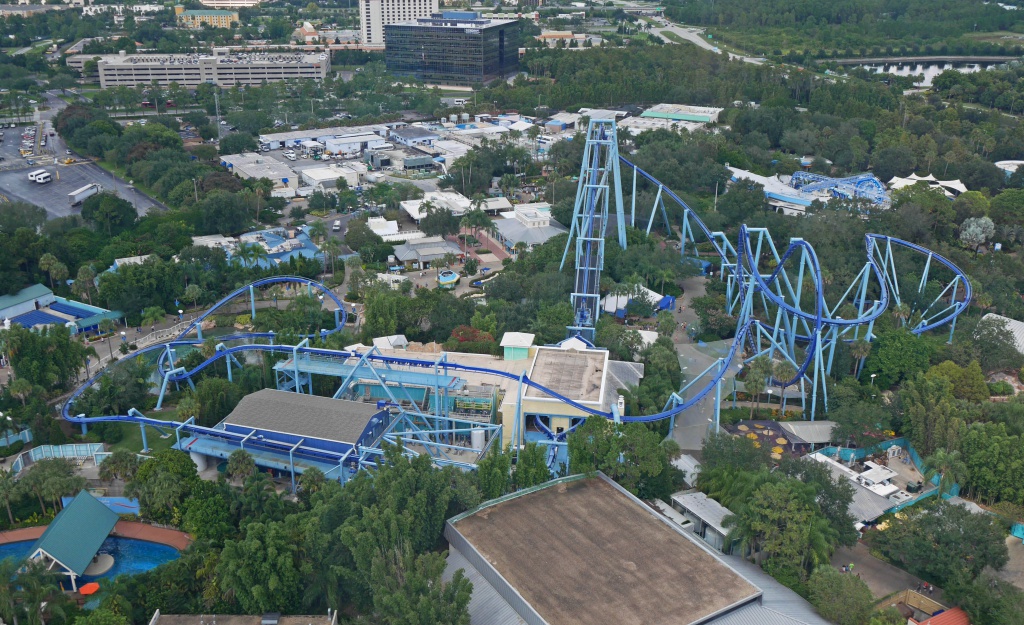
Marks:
<point>190,70</point>
<point>597,555</point>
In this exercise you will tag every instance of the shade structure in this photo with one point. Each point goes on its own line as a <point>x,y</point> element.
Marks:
<point>89,589</point>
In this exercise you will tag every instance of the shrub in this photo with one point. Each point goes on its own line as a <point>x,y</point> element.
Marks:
<point>12,449</point>
<point>1002,387</point>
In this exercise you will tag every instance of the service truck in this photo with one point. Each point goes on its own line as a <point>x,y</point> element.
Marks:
<point>78,196</point>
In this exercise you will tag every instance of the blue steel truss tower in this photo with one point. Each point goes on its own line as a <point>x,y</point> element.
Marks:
<point>599,185</point>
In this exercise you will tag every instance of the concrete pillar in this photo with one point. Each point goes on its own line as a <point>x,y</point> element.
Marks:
<point>199,460</point>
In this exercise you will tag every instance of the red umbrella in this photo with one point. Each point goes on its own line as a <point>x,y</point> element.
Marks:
<point>88,589</point>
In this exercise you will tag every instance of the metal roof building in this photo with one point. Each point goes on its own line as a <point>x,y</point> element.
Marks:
<point>707,515</point>
<point>1015,327</point>
<point>75,535</point>
<point>866,505</point>
<point>29,298</point>
<point>611,560</point>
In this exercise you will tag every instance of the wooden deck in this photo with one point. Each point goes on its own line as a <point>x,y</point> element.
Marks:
<point>124,529</point>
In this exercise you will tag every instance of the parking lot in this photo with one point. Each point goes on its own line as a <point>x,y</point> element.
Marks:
<point>53,196</point>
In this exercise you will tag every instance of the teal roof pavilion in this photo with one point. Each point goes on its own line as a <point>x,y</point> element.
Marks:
<point>76,533</point>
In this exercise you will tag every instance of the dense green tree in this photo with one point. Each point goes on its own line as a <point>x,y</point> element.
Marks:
<point>494,473</point>
<point>931,419</point>
<point>945,543</point>
<point>896,356</point>
<point>240,465</point>
<point>262,570</point>
<point>629,453</point>
<point>409,590</point>
<point>109,212</point>
<point>842,599</point>
<point>531,466</point>
<point>438,221</point>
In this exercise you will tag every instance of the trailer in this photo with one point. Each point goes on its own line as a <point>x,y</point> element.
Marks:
<point>78,196</point>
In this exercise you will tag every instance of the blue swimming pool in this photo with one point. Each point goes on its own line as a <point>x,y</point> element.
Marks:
<point>131,556</point>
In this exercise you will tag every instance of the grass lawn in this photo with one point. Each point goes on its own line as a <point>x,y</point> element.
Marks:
<point>132,440</point>
<point>671,36</point>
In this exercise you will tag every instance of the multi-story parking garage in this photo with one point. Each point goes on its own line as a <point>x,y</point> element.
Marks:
<point>189,70</point>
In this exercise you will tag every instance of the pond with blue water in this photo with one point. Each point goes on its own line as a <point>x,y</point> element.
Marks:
<point>131,556</point>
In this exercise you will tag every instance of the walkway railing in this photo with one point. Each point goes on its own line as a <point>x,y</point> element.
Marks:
<point>80,450</point>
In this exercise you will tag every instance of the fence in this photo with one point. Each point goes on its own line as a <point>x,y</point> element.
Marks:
<point>848,454</point>
<point>11,437</point>
<point>81,450</point>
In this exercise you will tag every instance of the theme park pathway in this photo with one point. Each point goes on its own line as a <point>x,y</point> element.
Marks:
<point>162,535</point>
<point>23,534</point>
<point>124,529</point>
<point>882,578</point>
<point>692,425</point>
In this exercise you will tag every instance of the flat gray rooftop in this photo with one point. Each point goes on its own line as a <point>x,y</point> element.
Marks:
<point>577,375</point>
<point>303,415</point>
<point>237,619</point>
<point>583,552</point>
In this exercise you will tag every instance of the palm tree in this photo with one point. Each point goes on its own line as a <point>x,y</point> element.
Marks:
<point>331,248</point>
<point>519,248</point>
<point>47,262</point>
<point>152,315</point>
<point>8,488</point>
<point>259,254</point>
<point>84,282</point>
<point>666,275</point>
<point>244,253</point>
<point>38,586</point>
<point>948,466</point>
<point>860,349</point>
<point>8,593</point>
<point>121,464</point>
<point>759,370</point>
<point>317,230</point>
<point>240,465</point>
<point>106,326</point>
<point>20,388</point>
<point>901,312</point>
<point>783,371</point>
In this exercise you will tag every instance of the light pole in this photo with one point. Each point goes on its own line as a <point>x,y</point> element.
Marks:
<point>873,378</point>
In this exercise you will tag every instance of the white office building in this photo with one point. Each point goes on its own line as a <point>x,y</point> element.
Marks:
<point>375,14</point>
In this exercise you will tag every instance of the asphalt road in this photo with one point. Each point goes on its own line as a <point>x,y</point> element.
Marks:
<point>697,36</point>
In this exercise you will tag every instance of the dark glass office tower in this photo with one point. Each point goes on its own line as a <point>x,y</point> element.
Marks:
<point>453,47</point>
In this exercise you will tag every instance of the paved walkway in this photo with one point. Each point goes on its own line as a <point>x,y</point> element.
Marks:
<point>881,577</point>
<point>1013,572</point>
<point>20,535</point>
<point>144,531</point>
<point>124,529</point>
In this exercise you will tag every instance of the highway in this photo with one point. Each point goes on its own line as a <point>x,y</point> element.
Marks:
<point>696,36</point>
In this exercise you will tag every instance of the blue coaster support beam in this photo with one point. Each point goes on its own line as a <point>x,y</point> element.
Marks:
<point>600,184</point>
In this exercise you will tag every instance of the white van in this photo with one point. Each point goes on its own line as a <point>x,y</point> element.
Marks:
<point>337,225</point>
<point>459,102</point>
<point>43,178</point>
<point>290,156</point>
<point>35,174</point>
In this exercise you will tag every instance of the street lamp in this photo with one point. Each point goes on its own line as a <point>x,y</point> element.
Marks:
<point>873,378</point>
<point>180,313</point>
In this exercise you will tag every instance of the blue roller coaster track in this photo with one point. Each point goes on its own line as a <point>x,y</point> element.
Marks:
<point>777,297</point>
